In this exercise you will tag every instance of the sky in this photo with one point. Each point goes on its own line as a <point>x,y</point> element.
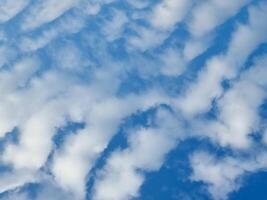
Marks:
<point>133,99</point>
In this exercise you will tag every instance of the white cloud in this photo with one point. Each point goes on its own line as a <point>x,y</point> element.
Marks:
<point>237,115</point>
<point>264,139</point>
<point>199,95</point>
<point>93,7</point>
<point>82,149</point>
<point>28,44</point>
<point>38,99</point>
<point>237,118</point>
<point>10,81</point>
<point>14,179</point>
<point>37,121</point>
<point>173,63</point>
<point>139,4</point>
<point>245,39</point>
<point>146,38</point>
<point>2,35</point>
<point>6,54</point>
<point>69,57</point>
<point>195,47</point>
<point>224,175</point>
<point>47,188</point>
<point>16,196</point>
<point>65,25</point>
<point>238,108</point>
<point>206,15</point>
<point>46,11</point>
<point>168,13</point>
<point>113,28</point>
<point>163,19</point>
<point>10,8</point>
<point>50,190</point>
<point>35,140</point>
<point>146,152</point>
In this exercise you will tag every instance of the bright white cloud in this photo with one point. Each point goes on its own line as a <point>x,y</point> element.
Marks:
<point>206,15</point>
<point>239,106</point>
<point>163,19</point>
<point>146,152</point>
<point>82,149</point>
<point>10,81</point>
<point>224,175</point>
<point>245,39</point>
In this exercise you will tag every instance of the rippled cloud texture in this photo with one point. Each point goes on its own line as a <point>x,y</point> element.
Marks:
<point>133,99</point>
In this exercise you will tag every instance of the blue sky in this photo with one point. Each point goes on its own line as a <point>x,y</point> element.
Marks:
<point>133,100</point>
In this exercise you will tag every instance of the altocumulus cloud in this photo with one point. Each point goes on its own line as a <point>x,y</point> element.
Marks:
<point>95,96</point>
